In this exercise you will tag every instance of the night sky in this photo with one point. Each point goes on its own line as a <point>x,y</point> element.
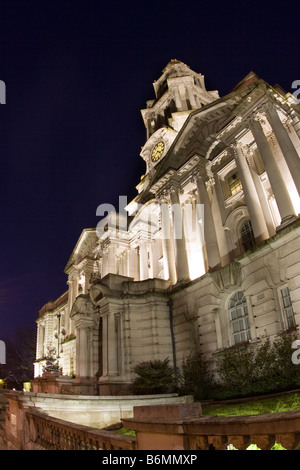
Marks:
<point>77,74</point>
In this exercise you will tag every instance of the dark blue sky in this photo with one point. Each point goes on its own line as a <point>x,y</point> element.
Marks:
<point>77,74</point>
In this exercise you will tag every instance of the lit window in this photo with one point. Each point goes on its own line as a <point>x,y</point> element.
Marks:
<point>287,307</point>
<point>247,236</point>
<point>234,184</point>
<point>238,312</point>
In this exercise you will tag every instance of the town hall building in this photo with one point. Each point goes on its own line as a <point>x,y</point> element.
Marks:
<point>205,257</point>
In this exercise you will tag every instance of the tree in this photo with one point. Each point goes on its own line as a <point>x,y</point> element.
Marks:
<point>20,356</point>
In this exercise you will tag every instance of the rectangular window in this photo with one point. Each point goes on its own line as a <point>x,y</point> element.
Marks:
<point>239,318</point>
<point>234,184</point>
<point>287,307</point>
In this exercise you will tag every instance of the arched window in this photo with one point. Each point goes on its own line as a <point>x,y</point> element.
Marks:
<point>247,236</point>
<point>238,312</point>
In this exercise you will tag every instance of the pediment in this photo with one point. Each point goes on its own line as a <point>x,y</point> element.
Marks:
<point>84,246</point>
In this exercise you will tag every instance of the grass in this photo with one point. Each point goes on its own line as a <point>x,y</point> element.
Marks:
<point>267,405</point>
<point>128,432</point>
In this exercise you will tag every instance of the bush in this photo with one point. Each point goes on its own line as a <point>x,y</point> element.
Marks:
<point>257,369</point>
<point>154,377</point>
<point>244,370</point>
<point>196,378</point>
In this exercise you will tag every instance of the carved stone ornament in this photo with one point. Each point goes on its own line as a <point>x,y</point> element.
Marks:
<point>82,306</point>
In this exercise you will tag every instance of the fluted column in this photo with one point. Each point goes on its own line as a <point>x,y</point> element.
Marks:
<point>277,182</point>
<point>257,218</point>
<point>167,243</point>
<point>287,147</point>
<point>181,260</point>
<point>210,238</point>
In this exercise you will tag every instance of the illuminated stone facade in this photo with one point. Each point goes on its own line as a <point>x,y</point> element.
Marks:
<point>208,253</point>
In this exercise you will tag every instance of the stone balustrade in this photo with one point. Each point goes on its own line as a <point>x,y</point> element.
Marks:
<point>182,427</point>
<point>42,432</point>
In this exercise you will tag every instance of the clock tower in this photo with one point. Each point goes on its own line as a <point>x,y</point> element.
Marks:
<point>178,92</point>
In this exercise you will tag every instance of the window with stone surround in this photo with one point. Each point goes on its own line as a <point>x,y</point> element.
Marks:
<point>247,236</point>
<point>287,307</point>
<point>234,184</point>
<point>238,313</point>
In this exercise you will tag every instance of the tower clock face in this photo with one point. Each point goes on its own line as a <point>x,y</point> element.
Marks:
<point>157,151</point>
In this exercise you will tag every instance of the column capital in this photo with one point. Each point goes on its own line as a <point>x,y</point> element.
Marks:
<point>258,116</point>
<point>198,173</point>
<point>173,187</point>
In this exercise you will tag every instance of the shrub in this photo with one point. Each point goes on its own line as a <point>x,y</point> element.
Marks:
<point>154,376</point>
<point>196,378</point>
<point>244,370</point>
<point>256,369</point>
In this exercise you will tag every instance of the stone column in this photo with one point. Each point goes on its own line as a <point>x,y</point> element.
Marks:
<point>167,243</point>
<point>191,97</point>
<point>210,238</point>
<point>70,326</point>
<point>111,259</point>
<point>199,215</point>
<point>104,261</point>
<point>257,218</point>
<point>289,152</point>
<point>181,260</point>
<point>133,270</point>
<point>83,326</point>
<point>277,183</point>
<point>143,260</point>
<point>104,344</point>
<point>83,354</point>
<point>112,344</point>
<point>177,99</point>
